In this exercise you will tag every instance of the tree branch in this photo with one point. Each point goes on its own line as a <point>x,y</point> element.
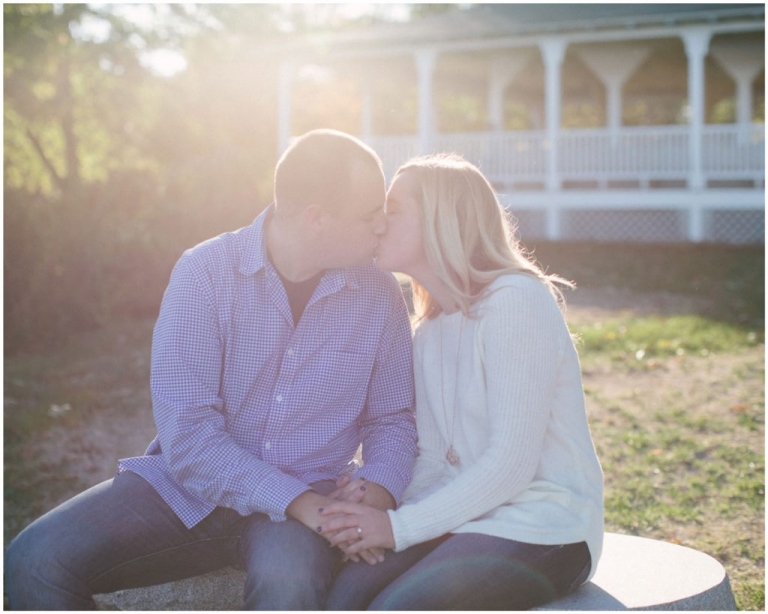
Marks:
<point>46,161</point>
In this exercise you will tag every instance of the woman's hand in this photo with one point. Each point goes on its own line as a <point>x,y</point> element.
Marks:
<point>356,528</point>
<point>363,491</point>
<point>348,489</point>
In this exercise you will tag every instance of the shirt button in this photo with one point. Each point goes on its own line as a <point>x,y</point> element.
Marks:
<point>290,352</point>
<point>279,398</point>
<point>268,445</point>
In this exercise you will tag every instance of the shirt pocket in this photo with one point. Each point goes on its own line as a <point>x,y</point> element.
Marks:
<point>338,380</point>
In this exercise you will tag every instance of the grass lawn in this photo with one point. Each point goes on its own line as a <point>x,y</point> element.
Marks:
<point>672,347</point>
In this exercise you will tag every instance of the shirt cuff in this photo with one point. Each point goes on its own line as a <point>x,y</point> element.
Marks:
<point>275,494</point>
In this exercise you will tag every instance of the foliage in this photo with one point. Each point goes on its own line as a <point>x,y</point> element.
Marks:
<point>112,171</point>
<point>62,92</point>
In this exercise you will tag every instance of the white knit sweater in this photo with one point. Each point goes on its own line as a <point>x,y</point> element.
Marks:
<point>513,406</point>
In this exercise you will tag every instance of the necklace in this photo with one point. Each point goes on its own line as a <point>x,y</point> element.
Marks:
<point>450,455</point>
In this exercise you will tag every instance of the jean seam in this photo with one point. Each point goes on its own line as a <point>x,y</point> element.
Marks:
<point>146,556</point>
<point>581,577</point>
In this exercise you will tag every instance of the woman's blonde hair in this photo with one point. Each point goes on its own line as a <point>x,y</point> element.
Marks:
<point>468,236</point>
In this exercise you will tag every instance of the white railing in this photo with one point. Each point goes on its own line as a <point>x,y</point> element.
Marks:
<point>504,157</point>
<point>394,151</point>
<point>643,153</point>
<point>639,153</point>
<point>734,152</point>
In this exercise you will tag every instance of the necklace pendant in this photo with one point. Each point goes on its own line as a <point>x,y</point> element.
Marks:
<point>451,455</point>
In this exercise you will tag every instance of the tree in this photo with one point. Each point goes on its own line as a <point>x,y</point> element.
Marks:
<point>70,72</point>
<point>111,170</point>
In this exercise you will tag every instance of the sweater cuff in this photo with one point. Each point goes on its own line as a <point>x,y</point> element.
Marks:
<point>399,531</point>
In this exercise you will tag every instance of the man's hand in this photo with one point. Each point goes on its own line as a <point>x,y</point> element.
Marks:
<point>306,508</point>
<point>363,491</point>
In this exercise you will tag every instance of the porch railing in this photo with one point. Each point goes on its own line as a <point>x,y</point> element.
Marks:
<point>734,152</point>
<point>632,157</point>
<point>632,153</point>
<point>639,154</point>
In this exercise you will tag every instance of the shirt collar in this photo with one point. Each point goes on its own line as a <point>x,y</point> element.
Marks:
<point>255,255</point>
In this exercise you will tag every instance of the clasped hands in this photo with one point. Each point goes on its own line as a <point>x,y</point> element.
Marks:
<point>357,522</point>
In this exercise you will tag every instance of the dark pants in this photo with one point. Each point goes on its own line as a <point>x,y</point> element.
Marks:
<point>121,534</point>
<point>466,571</point>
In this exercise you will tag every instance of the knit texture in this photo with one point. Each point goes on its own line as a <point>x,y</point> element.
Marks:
<point>504,386</point>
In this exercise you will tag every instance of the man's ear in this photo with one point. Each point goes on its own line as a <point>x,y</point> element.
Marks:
<point>314,217</point>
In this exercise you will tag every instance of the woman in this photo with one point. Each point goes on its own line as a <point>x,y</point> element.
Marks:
<point>505,507</point>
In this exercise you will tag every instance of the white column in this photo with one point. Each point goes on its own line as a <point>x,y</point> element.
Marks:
<point>285,105</point>
<point>366,115</point>
<point>743,62</point>
<point>502,71</point>
<point>744,99</point>
<point>613,65</point>
<point>696,47</point>
<point>553,53</point>
<point>425,67</point>
<point>495,102</point>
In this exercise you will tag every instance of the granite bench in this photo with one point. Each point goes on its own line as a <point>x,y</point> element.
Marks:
<point>634,573</point>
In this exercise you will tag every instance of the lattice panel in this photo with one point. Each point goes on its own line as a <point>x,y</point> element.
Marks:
<point>740,227</point>
<point>661,226</point>
<point>530,224</point>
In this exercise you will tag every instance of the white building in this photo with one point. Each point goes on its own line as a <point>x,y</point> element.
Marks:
<point>689,179</point>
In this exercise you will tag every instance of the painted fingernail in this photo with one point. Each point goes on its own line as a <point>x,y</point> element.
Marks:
<point>321,509</point>
<point>363,488</point>
<point>319,529</point>
<point>363,479</point>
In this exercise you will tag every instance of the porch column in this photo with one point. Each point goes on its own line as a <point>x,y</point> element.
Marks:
<point>285,105</point>
<point>425,67</point>
<point>613,64</point>
<point>696,47</point>
<point>366,121</point>
<point>742,61</point>
<point>553,53</point>
<point>503,70</point>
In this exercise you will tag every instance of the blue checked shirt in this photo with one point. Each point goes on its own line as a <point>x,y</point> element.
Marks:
<point>250,409</point>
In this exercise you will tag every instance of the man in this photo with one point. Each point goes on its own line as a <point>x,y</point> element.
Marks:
<point>278,350</point>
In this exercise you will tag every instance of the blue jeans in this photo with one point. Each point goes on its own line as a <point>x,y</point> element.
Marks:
<point>121,534</point>
<point>466,571</point>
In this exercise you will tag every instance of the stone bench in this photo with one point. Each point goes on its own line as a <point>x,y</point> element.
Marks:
<point>634,573</point>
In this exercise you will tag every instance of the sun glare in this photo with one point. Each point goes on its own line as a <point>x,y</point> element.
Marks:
<point>164,62</point>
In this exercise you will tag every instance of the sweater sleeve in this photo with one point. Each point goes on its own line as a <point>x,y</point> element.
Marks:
<point>521,341</point>
<point>429,464</point>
